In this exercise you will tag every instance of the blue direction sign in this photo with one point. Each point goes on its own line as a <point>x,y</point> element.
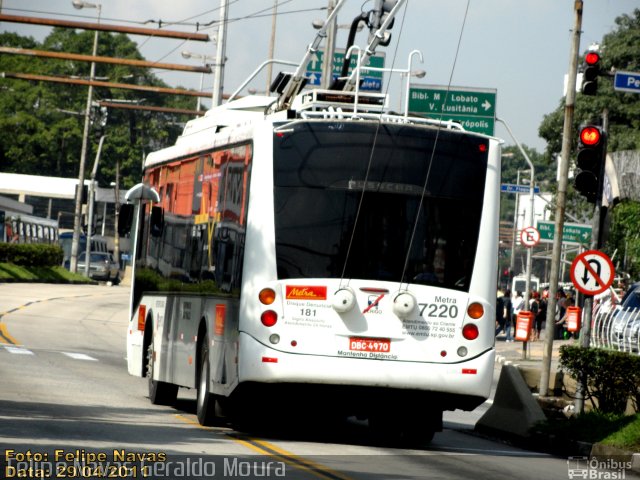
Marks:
<point>371,80</point>
<point>512,188</point>
<point>627,82</point>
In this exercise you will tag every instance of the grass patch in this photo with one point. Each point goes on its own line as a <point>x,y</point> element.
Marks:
<point>617,430</point>
<point>16,273</point>
<point>628,437</point>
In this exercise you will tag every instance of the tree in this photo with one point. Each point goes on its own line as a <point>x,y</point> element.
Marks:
<point>41,123</point>
<point>620,50</point>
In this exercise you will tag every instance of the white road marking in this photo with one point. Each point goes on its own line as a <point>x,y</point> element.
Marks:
<point>18,350</point>
<point>80,356</point>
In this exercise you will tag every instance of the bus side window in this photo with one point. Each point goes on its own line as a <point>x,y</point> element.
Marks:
<point>125,218</point>
<point>157,221</point>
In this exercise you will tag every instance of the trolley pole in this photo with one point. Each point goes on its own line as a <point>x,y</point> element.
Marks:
<point>561,199</point>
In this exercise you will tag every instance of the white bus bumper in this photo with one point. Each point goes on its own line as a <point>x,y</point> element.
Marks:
<point>259,363</point>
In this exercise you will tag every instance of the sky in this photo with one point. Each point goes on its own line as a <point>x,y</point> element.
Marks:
<point>518,47</point>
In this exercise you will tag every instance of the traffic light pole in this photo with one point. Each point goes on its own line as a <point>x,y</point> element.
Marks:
<point>596,244</point>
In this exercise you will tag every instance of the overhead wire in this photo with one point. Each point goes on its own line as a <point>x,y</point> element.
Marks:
<point>435,144</point>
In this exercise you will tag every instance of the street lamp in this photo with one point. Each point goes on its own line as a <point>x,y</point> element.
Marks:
<point>204,58</point>
<point>531,207</point>
<point>404,89</point>
<point>85,141</point>
<point>91,200</point>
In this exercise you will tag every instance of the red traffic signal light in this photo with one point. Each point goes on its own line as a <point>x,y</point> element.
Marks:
<point>590,161</point>
<point>592,58</point>
<point>590,136</point>
<point>590,73</point>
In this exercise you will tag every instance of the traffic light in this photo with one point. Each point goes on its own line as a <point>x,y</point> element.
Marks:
<point>592,149</point>
<point>591,72</point>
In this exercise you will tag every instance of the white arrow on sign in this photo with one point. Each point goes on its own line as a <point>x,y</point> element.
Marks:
<point>314,61</point>
<point>486,105</point>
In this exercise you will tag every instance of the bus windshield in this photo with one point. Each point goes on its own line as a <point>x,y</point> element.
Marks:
<point>321,170</point>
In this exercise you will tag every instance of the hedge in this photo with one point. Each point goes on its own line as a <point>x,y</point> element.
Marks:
<point>31,255</point>
<point>613,378</point>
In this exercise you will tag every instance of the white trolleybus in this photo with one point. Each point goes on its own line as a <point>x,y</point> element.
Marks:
<point>313,254</point>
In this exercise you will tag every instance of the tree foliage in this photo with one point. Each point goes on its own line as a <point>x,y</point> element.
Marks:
<point>41,123</point>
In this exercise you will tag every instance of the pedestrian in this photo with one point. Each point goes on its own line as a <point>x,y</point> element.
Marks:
<point>561,324</point>
<point>541,315</point>
<point>561,308</point>
<point>508,315</point>
<point>533,308</point>
<point>499,312</point>
<point>518,305</point>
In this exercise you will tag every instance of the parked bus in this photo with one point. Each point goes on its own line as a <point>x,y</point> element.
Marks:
<point>326,257</point>
<point>18,227</point>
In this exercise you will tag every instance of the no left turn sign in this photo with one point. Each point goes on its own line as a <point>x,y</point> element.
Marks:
<point>592,272</point>
<point>529,236</point>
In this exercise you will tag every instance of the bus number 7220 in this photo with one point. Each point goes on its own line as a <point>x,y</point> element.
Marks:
<point>438,310</point>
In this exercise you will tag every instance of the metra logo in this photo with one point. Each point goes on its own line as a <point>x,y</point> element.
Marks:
<point>295,292</point>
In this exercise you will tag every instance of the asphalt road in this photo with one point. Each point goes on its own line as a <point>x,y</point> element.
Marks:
<point>66,399</point>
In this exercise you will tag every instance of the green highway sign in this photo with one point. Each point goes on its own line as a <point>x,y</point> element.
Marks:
<point>473,108</point>
<point>573,233</point>
<point>371,80</point>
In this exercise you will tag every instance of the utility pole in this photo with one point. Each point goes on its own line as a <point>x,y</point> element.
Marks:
<point>272,45</point>
<point>77,219</point>
<point>218,79</point>
<point>116,225</point>
<point>567,135</point>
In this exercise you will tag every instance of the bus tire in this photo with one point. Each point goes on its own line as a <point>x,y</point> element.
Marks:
<point>160,393</point>
<point>206,401</point>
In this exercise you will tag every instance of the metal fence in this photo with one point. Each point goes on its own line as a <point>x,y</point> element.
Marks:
<point>616,328</point>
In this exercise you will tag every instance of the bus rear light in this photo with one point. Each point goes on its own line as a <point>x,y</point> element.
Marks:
<point>142,317</point>
<point>269,360</point>
<point>269,318</point>
<point>475,310</point>
<point>470,371</point>
<point>443,353</point>
<point>462,351</point>
<point>470,331</point>
<point>267,296</point>
<point>275,338</point>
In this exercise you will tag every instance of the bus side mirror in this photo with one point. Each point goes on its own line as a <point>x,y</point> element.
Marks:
<point>157,221</point>
<point>125,218</point>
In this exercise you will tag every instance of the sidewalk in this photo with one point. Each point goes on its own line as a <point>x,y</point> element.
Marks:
<point>513,351</point>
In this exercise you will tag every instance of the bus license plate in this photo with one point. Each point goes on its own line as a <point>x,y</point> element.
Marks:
<point>359,344</point>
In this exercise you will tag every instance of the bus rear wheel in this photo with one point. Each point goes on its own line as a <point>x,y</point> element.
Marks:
<point>206,401</point>
<point>160,393</point>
